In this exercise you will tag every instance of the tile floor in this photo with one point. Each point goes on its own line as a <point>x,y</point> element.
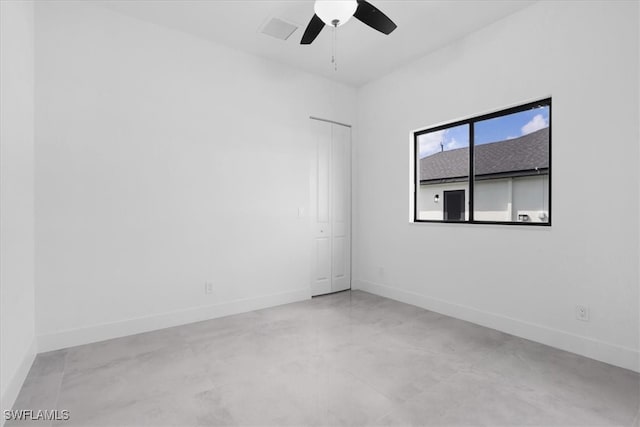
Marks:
<point>345,359</point>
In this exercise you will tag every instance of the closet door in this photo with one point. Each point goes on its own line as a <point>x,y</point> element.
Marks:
<point>330,207</point>
<point>340,208</point>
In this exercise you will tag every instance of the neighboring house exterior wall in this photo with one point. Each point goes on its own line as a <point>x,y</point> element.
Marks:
<point>531,196</point>
<point>430,210</point>
<point>495,200</point>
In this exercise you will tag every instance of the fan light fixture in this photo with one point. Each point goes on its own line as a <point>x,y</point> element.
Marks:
<point>335,12</point>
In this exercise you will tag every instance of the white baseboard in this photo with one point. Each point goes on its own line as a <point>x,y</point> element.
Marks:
<point>15,384</point>
<point>599,350</point>
<point>105,331</point>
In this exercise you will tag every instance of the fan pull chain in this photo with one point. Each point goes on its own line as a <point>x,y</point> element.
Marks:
<point>333,52</point>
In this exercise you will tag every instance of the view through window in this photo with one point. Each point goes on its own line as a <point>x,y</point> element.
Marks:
<point>494,168</point>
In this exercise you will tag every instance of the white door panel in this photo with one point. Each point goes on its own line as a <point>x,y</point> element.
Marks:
<point>323,151</point>
<point>323,250</point>
<point>341,198</point>
<point>330,207</point>
<point>338,265</point>
<point>340,229</point>
<point>322,276</point>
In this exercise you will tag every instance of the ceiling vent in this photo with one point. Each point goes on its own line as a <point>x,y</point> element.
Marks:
<point>278,28</point>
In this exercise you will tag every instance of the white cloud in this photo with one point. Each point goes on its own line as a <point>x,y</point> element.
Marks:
<point>538,122</point>
<point>430,142</point>
<point>435,142</point>
<point>453,144</point>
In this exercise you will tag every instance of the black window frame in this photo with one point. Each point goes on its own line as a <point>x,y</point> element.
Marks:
<point>546,102</point>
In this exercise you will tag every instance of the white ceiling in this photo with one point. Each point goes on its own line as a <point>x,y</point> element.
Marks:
<point>363,53</point>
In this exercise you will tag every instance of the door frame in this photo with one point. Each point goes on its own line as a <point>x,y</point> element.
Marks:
<point>312,161</point>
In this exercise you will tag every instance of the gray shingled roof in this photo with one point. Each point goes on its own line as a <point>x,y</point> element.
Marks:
<point>513,157</point>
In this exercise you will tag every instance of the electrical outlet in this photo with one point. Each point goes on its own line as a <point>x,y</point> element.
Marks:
<point>208,288</point>
<point>582,313</point>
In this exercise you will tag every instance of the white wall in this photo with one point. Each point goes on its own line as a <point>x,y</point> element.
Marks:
<point>164,161</point>
<point>525,281</point>
<point>16,197</point>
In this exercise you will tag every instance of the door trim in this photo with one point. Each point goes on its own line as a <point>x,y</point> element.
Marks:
<point>351,146</point>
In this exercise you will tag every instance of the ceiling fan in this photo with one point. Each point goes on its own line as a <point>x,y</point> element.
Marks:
<point>337,12</point>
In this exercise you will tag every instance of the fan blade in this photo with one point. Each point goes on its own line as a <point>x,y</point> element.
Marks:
<point>313,29</point>
<point>370,15</point>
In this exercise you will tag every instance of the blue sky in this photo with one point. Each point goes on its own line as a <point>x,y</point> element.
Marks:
<point>498,129</point>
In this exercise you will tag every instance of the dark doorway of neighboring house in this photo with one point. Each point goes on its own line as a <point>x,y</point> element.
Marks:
<point>454,205</point>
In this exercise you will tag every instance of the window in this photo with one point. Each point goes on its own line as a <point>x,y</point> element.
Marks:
<point>490,169</point>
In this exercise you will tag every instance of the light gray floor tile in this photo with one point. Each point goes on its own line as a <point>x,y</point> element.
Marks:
<point>127,381</point>
<point>585,385</point>
<point>91,356</point>
<point>52,362</point>
<point>350,358</point>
